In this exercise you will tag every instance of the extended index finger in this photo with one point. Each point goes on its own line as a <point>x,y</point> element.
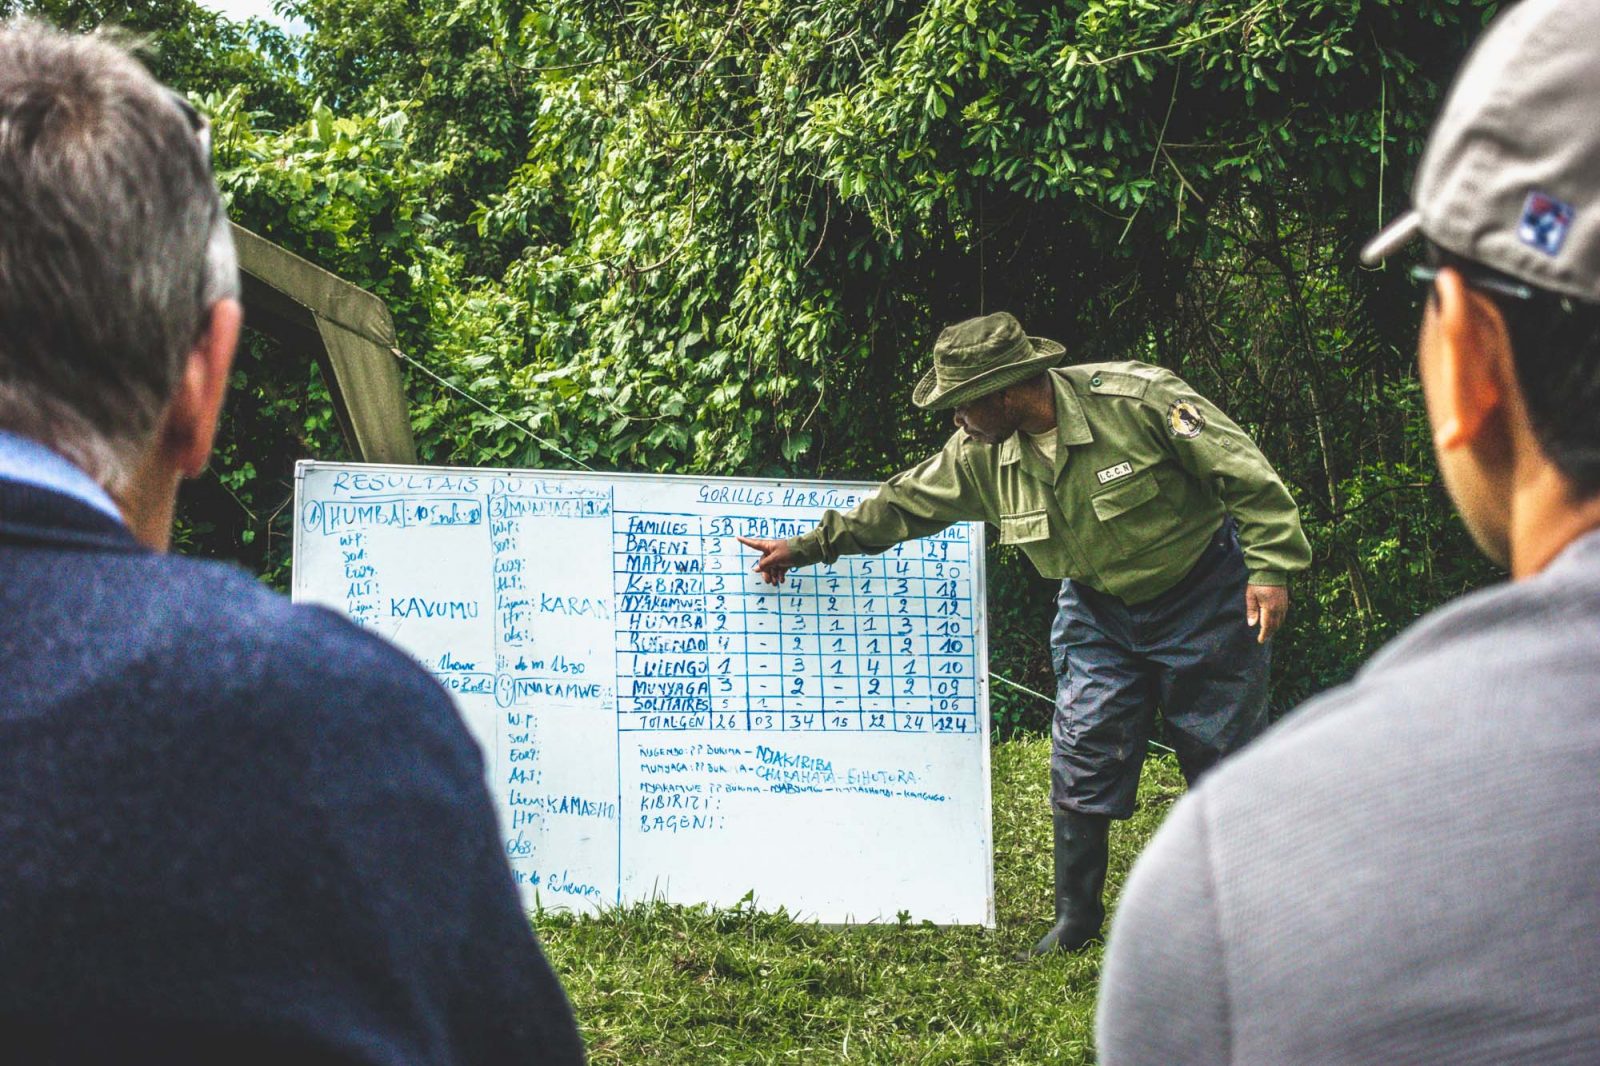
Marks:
<point>752,542</point>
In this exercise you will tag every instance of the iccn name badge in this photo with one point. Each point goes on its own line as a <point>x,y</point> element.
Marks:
<point>1111,473</point>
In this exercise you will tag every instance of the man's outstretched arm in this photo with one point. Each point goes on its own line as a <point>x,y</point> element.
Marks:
<point>915,503</point>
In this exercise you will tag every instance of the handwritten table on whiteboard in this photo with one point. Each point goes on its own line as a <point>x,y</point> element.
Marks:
<point>656,721</point>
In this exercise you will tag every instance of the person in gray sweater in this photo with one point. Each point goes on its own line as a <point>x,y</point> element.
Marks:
<point>1408,868</point>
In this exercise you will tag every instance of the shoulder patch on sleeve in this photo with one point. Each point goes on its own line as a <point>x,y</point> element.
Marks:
<point>1185,420</point>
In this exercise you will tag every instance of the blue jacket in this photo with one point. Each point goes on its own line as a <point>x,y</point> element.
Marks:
<point>236,830</point>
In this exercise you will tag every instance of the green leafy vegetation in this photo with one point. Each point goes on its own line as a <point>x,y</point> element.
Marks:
<point>719,238</point>
<point>743,985</point>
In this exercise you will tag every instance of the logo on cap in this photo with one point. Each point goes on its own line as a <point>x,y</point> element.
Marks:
<point>1545,221</point>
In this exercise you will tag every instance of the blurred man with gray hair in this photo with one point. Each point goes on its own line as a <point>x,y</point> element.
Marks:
<point>231,829</point>
<point>1408,869</point>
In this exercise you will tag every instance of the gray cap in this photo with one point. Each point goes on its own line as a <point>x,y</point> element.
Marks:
<point>1510,177</point>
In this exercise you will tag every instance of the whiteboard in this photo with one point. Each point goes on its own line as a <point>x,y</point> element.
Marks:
<point>655,721</point>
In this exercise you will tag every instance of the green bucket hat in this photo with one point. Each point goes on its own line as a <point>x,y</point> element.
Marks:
<point>980,356</point>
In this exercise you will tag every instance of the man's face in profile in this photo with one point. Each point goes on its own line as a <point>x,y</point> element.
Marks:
<point>989,419</point>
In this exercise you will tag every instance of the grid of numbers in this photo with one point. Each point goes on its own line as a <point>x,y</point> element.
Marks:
<point>870,643</point>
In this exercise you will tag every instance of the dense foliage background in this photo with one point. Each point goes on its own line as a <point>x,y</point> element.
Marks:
<point>720,237</point>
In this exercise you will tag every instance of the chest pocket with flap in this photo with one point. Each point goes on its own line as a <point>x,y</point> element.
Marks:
<point>1125,497</point>
<point>1135,514</point>
<point>1024,527</point>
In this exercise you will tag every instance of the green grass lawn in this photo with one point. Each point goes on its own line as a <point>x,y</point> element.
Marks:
<point>660,984</point>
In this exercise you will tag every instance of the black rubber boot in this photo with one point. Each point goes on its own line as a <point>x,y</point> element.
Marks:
<point>1081,847</point>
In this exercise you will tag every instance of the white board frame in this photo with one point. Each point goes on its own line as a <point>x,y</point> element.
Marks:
<point>979,606</point>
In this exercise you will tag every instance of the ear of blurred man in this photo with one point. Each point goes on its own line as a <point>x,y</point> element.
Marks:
<point>181,446</point>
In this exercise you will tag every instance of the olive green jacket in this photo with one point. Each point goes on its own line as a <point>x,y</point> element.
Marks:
<point>1145,471</point>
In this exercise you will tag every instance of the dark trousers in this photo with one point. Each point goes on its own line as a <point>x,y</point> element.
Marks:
<point>1188,652</point>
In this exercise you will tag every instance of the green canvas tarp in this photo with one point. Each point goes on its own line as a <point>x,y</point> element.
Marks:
<point>346,329</point>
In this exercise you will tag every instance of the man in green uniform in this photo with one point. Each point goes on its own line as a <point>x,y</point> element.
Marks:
<point>1174,538</point>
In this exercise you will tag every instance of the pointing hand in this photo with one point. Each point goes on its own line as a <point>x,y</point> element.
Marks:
<point>775,562</point>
